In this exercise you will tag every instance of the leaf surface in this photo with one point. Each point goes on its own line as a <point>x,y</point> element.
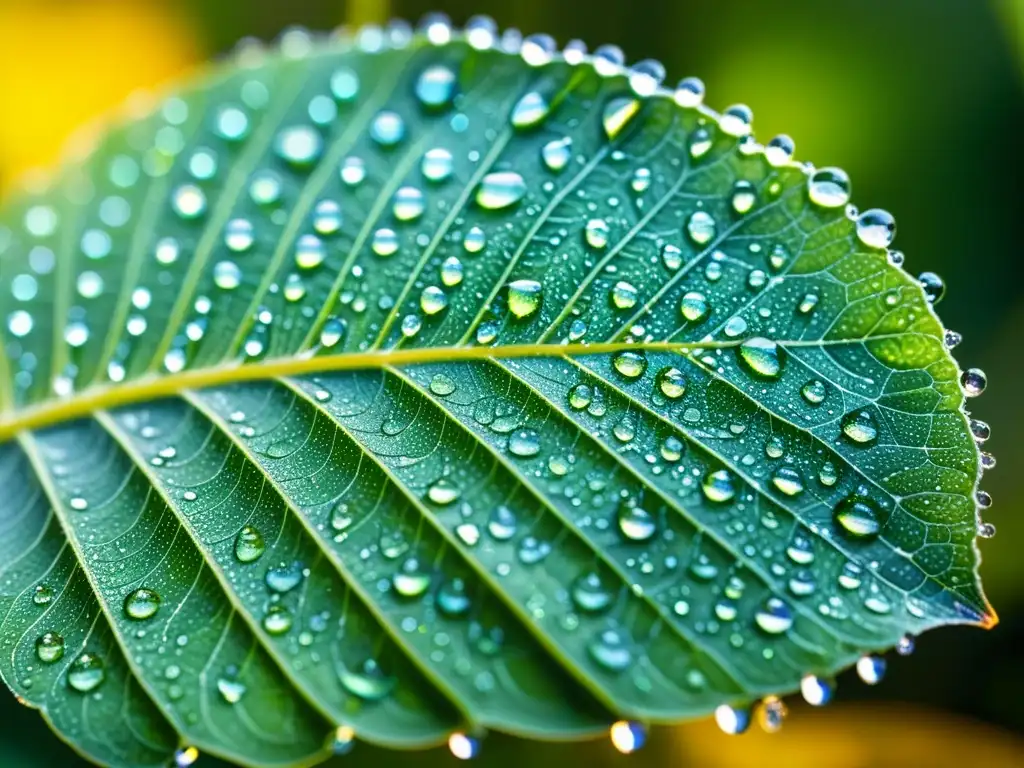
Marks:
<point>412,386</point>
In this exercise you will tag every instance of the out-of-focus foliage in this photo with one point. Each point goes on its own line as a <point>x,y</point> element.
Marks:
<point>921,101</point>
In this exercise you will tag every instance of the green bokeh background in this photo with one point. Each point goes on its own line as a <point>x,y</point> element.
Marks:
<point>922,102</point>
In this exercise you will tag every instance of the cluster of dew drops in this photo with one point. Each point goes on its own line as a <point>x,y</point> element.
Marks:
<point>827,188</point>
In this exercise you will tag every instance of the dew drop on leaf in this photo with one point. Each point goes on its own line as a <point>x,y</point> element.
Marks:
<point>500,189</point>
<point>86,673</point>
<point>249,545</point>
<point>50,647</point>
<point>860,427</point>
<point>761,356</point>
<point>524,297</point>
<point>829,187</point>
<point>858,516</point>
<point>719,486</point>
<point>141,604</point>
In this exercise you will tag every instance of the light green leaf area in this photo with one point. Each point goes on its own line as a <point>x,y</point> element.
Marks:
<point>415,387</point>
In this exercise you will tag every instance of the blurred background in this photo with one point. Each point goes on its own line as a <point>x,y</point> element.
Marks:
<point>921,101</point>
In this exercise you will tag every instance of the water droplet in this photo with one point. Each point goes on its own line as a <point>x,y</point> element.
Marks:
<point>761,356</point>
<point>532,550</point>
<point>327,217</point>
<point>788,481</point>
<point>524,443</point>
<point>452,598</point>
<point>671,256</point>
<point>876,228</point>
<point>590,593</point>
<point>694,306</point>
<point>813,392</point>
<point>871,669</point>
<point>829,187</point>
<point>387,129</point>
<point>50,647</point>
<point>443,492</point>
<point>309,252</point>
<point>249,545</point>
<point>435,87</point>
<point>636,524</point>
<point>627,737</point>
<point>530,110</point>
<point>433,300</point>
<point>343,740</point>
<point>42,595</point>
<point>779,151</point>
<point>816,691</point>
<point>630,364</point>
<point>973,382</point>
<point>775,617</point>
<point>463,747</point>
<point>352,171</point>
<point>437,164</point>
<point>277,620</point>
<point>557,153</point>
<point>451,271</point>
<point>858,516</point>
<point>230,689</point>
<point>719,486</point>
<point>368,682</point>
<point>689,92</point>
<point>641,180</point>
<point>142,604</point>
<point>284,577</point>
<point>617,114</point>
<point>624,295</point>
<point>474,241</point>
<point>408,204</point>
<point>442,385</point>
<point>700,143</point>
<point>410,580</point>
<point>524,297</point>
<point>743,196</point>
<point>611,650</point>
<point>299,146</point>
<point>771,714</point>
<point>732,720</point>
<point>701,227</point>
<point>226,275</point>
<point>500,189</point>
<point>596,233</point>
<point>860,427</point>
<point>86,673</point>
<point>385,242</point>
<point>671,382</point>
<point>502,524</point>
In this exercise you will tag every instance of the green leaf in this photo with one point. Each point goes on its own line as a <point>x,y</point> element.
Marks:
<point>406,387</point>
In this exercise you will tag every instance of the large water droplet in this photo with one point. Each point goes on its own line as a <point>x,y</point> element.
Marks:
<point>627,736</point>
<point>284,577</point>
<point>858,516</point>
<point>524,297</point>
<point>829,187</point>
<point>860,427</point>
<point>524,443</point>
<point>630,364</point>
<point>142,604</point>
<point>719,486</point>
<point>871,669</point>
<point>277,620</point>
<point>86,673</point>
<point>557,153</point>
<point>761,356</point>
<point>973,382</point>
<point>701,227</point>
<point>671,382</point>
<point>50,647</point>
<point>636,524</point>
<point>368,682</point>
<point>611,650</point>
<point>411,580</point>
<point>775,617</point>
<point>435,86</point>
<point>530,110</point>
<point>590,593</point>
<point>249,545</point>
<point>876,228</point>
<point>617,114</point>
<point>500,189</point>
<point>452,598</point>
<point>732,720</point>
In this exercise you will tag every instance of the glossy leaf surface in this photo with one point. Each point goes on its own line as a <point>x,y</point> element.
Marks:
<point>417,386</point>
